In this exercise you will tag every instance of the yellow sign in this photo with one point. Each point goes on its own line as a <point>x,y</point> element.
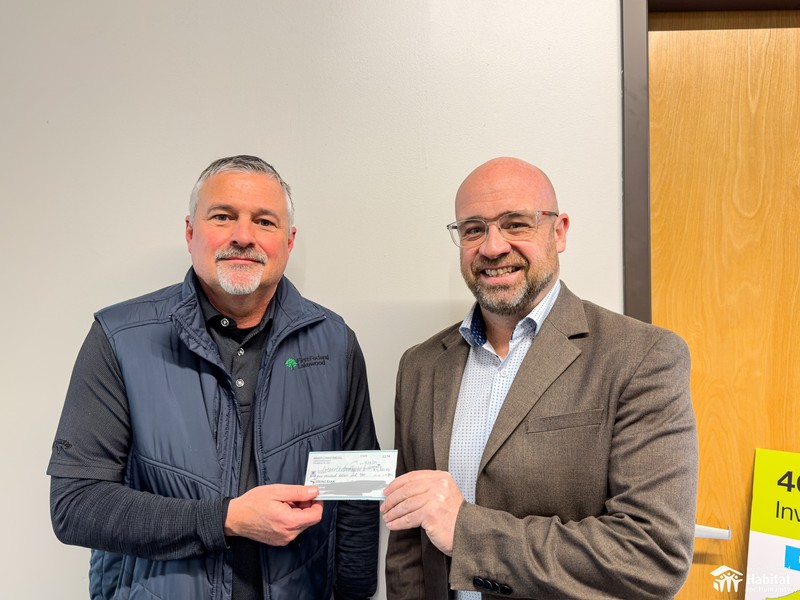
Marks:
<point>773,558</point>
<point>776,494</point>
<point>792,596</point>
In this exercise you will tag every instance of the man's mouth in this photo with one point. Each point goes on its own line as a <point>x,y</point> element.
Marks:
<point>241,259</point>
<point>499,272</point>
<point>236,256</point>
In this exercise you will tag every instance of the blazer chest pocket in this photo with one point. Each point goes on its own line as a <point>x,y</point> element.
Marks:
<point>584,418</point>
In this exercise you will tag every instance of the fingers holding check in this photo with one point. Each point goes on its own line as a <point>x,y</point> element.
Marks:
<point>427,499</point>
<point>273,514</point>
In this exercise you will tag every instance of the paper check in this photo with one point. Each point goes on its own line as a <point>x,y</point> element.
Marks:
<point>351,475</point>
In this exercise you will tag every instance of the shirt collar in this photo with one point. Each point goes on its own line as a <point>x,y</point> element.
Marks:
<point>473,327</point>
<point>215,319</point>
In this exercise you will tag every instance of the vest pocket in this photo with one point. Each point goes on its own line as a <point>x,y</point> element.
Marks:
<point>138,592</point>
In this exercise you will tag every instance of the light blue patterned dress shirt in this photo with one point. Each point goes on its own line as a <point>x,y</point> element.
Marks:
<point>484,385</point>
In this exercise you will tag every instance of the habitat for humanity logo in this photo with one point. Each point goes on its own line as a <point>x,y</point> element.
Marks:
<point>306,361</point>
<point>727,579</point>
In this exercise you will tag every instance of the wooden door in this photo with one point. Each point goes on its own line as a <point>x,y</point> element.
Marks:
<point>725,219</point>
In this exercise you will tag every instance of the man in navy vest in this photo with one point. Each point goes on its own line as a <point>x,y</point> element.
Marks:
<point>181,450</point>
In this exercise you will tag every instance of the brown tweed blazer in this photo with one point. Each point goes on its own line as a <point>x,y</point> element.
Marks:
<point>587,485</point>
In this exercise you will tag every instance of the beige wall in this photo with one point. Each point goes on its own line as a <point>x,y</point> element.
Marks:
<point>373,111</point>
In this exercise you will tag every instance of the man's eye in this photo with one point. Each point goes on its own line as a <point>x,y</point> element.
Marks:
<point>471,230</point>
<point>266,223</point>
<point>220,218</point>
<point>517,226</point>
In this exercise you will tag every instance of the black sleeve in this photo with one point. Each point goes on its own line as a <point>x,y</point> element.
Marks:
<point>357,525</point>
<point>89,504</point>
<point>110,516</point>
<point>93,435</point>
<point>359,428</point>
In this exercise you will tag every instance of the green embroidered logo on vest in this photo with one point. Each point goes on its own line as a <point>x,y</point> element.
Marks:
<point>301,362</point>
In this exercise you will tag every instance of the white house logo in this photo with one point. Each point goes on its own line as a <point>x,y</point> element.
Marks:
<point>727,579</point>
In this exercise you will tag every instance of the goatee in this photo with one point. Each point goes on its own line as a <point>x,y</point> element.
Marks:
<point>494,298</point>
<point>240,280</point>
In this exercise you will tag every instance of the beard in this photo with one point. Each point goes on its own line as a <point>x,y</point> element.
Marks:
<point>240,280</point>
<point>509,299</point>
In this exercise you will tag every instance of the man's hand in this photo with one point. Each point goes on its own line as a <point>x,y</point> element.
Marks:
<point>427,499</point>
<point>273,514</point>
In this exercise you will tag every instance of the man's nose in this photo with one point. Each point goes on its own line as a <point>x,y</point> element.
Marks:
<point>495,244</point>
<point>243,233</point>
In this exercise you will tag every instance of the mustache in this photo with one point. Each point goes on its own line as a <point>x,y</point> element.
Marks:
<point>244,253</point>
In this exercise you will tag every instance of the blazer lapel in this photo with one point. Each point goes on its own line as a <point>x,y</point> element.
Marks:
<point>447,375</point>
<point>549,356</point>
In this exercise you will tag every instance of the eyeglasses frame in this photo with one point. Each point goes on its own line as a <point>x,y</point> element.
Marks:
<point>453,227</point>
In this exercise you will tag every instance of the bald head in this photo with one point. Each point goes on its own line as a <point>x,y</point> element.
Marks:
<point>500,179</point>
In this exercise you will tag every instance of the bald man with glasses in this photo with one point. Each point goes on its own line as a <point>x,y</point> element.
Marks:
<point>547,446</point>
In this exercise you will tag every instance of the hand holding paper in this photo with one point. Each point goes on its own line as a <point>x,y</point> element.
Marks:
<point>427,499</point>
<point>273,514</point>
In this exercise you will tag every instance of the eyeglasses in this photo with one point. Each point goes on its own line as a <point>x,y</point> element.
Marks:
<point>514,226</point>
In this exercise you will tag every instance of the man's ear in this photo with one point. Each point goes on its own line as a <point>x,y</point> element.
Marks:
<point>561,227</point>
<point>189,231</point>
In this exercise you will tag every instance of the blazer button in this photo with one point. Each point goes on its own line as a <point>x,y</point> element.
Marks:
<point>494,586</point>
<point>478,582</point>
<point>505,589</point>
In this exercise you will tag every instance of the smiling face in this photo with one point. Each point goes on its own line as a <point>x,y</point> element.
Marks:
<point>510,277</point>
<point>239,238</point>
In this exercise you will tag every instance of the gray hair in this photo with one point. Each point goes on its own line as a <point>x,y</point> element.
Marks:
<point>248,164</point>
